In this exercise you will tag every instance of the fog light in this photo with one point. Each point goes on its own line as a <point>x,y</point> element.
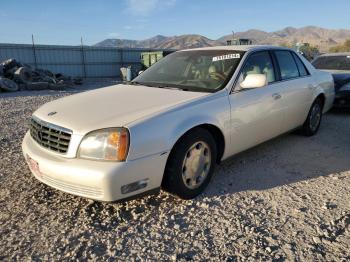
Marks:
<point>134,186</point>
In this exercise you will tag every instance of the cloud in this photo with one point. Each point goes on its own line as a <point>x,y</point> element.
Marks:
<point>147,7</point>
<point>114,35</point>
<point>134,27</point>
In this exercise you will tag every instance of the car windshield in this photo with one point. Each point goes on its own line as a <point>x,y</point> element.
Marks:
<point>197,70</point>
<point>332,62</point>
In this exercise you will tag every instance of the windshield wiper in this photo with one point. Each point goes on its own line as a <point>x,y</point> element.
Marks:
<point>158,85</point>
<point>140,84</point>
<point>136,83</point>
<point>172,87</point>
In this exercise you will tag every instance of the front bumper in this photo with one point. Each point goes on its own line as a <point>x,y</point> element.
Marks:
<point>93,179</point>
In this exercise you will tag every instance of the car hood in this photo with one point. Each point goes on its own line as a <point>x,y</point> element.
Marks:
<point>113,106</point>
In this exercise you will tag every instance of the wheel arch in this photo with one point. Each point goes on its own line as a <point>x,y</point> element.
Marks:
<point>215,131</point>
<point>322,96</point>
<point>218,137</point>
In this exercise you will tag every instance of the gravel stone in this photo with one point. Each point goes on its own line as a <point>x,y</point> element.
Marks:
<point>279,201</point>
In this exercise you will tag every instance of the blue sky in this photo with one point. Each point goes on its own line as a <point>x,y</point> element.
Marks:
<point>64,22</point>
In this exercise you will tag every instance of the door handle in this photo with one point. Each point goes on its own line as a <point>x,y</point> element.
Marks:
<point>276,96</point>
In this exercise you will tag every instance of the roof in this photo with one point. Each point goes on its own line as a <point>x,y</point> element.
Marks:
<point>239,47</point>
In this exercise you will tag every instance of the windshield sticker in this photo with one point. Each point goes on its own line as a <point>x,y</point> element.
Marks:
<point>225,57</point>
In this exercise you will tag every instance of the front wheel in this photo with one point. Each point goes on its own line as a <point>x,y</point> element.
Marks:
<point>314,118</point>
<point>191,164</point>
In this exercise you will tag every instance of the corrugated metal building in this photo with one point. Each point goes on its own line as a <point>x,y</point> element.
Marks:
<point>81,61</point>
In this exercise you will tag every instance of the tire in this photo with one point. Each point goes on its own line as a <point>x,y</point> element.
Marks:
<point>191,164</point>
<point>10,73</point>
<point>8,85</point>
<point>10,63</point>
<point>313,120</point>
<point>23,75</point>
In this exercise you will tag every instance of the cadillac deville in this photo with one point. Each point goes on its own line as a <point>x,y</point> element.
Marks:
<point>169,127</point>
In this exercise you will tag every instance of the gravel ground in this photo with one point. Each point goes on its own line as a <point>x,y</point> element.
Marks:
<point>287,199</point>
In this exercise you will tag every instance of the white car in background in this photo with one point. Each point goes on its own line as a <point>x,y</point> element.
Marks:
<point>172,124</point>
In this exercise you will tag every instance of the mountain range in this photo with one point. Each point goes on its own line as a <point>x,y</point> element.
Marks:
<point>321,37</point>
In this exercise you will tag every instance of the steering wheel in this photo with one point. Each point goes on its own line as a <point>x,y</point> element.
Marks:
<point>217,76</point>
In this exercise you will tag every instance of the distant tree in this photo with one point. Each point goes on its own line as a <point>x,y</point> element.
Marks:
<point>309,51</point>
<point>341,48</point>
<point>286,44</point>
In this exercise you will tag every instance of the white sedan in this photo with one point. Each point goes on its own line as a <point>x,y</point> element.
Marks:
<point>173,123</point>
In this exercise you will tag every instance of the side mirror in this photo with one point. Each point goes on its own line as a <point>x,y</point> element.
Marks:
<point>254,81</point>
<point>140,72</point>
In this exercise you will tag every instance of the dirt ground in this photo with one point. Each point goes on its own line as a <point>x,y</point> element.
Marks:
<point>287,199</point>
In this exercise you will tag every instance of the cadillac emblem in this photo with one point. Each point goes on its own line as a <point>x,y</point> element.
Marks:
<point>52,113</point>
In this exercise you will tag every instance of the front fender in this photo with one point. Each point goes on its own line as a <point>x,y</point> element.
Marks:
<point>158,134</point>
<point>190,123</point>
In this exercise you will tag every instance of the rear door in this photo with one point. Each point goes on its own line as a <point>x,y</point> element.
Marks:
<point>297,89</point>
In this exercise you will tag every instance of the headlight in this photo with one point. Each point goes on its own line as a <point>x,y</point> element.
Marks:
<point>111,144</point>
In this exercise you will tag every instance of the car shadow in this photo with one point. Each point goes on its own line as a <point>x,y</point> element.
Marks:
<point>340,111</point>
<point>287,159</point>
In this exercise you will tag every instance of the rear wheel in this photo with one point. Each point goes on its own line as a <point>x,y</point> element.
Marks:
<point>8,85</point>
<point>191,164</point>
<point>314,118</point>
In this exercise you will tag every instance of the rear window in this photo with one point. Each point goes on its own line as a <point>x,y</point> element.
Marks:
<point>287,65</point>
<point>301,67</point>
<point>332,62</point>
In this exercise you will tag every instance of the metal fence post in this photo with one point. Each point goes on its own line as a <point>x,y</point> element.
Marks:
<point>121,57</point>
<point>121,63</point>
<point>83,58</point>
<point>34,53</point>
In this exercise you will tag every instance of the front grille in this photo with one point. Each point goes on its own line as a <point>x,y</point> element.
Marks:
<point>52,137</point>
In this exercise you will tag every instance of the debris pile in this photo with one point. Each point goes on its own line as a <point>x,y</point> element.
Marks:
<point>15,76</point>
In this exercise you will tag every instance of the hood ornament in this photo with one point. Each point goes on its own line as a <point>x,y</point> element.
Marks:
<point>52,113</point>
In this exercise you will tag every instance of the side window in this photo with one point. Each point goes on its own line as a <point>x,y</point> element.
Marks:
<point>259,63</point>
<point>287,65</point>
<point>302,69</point>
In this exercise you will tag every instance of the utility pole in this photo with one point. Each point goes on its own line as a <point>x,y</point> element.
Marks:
<point>83,57</point>
<point>34,53</point>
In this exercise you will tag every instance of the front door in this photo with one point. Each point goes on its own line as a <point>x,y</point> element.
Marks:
<point>256,114</point>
